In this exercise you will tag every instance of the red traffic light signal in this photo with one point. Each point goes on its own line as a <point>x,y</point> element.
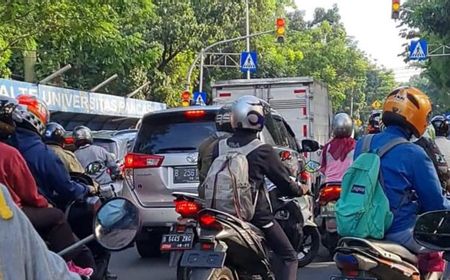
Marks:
<point>185,98</point>
<point>281,29</point>
<point>395,9</point>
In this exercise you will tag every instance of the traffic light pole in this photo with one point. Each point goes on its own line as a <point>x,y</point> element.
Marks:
<point>248,32</point>
<point>201,56</point>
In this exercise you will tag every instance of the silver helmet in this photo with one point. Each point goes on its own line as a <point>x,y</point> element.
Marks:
<point>247,113</point>
<point>342,125</point>
<point>82,135</point>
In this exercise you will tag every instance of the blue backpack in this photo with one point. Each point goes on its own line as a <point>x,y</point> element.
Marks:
<point>363,209</point>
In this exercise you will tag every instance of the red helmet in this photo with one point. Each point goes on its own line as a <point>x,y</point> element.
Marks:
<point>34,112</point>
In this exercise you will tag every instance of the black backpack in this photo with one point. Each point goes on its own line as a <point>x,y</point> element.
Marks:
<point>437,157</point>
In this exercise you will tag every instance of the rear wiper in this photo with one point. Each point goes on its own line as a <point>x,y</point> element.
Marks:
<point>177,149</point>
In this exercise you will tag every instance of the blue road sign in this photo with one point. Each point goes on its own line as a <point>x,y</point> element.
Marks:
<point>200,98</point>
<point>249,62</point>
<point>418,50</point>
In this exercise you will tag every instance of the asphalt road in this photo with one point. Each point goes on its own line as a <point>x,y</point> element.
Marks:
<point>129,266</point>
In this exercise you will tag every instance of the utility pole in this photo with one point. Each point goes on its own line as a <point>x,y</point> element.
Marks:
<point>248,32</point>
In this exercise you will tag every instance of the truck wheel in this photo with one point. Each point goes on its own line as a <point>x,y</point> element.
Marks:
<point>310,247</point>
<point>149,247</point>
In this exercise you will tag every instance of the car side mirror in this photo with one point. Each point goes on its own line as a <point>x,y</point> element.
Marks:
<point>432,230</point>
<point>309,145</point>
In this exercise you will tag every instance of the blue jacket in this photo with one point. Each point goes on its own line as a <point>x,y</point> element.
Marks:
<point>407,168</point>
<point>48,170</point>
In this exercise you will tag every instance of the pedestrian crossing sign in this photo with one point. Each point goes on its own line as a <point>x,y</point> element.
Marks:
<point>418,50</point>
<point>249,62</point>
<point>200,98</point>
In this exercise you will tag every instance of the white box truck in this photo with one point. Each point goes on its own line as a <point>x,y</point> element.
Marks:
<point>302,101</point>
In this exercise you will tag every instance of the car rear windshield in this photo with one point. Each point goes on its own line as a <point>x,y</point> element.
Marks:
<point>174,133</point>
<point>109,145</point>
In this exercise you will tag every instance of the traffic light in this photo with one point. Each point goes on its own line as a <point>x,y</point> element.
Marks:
<point>281,30</point>
<point>185,98</point>
<point>395,9</point>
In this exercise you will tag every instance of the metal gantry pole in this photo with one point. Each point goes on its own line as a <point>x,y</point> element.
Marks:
<point>202,60</point>
<point>247,11</point>
<point>202,52</point>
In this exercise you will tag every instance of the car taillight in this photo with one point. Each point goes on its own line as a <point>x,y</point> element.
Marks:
<point>187,208</point>
<point>194,114</point>
<point>134,161</point>
<point>208,221</point>
<point>329,193</point>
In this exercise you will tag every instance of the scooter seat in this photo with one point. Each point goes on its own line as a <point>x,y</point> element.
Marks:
<point>395,249</point>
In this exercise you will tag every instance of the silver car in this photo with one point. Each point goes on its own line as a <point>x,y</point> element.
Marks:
<point>164,160</point>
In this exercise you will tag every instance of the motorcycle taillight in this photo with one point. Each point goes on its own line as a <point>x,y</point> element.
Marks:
<point>329,193</point>
<point>348,264</point>
<point>208,221</point>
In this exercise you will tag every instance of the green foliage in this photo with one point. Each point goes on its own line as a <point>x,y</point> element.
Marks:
<point>432,19</point>
<point>157,41</point>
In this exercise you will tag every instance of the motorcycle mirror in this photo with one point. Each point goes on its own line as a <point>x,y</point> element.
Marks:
<point>312,166</point>
<point>309,145</point>
<point>93,167</point>
<point>116,224</point>
<point>432,230</point>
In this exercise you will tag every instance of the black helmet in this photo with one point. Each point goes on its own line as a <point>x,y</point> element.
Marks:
<point>8,115</point>
<point>440,125</point>
<point>54,134</point>
<point>82,135</point>
<point>223,119</point>
<point>375,123</point>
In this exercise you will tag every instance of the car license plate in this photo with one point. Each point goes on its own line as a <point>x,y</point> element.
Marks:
<point>177,241</point>
<point>204,259</point>
<point>185,174</point>
<point>350,278</point>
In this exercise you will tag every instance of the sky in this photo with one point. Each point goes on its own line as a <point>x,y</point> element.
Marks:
<point>370,23</point>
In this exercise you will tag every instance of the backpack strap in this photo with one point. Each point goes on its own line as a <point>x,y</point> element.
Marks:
<point>386,148</point>
<point>245,150</point>
<point>408,194</point>
<point>367,141</point>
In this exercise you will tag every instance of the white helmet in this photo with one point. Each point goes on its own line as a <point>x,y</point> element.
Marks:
<point>248,113</point>
<point>342,125</point>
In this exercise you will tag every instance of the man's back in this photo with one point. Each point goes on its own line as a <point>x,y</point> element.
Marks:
<point>68,158</point>
<point>407,170</point>
<point>91,153</point>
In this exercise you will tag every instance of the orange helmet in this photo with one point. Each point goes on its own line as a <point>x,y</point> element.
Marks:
<point>408,107</point>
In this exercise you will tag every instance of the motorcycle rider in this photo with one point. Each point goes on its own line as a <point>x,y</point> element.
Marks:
<point>337,154</point>
<point>54,138</point>
<point>247,119</point>
<point>410,180</point>
<point>375,123</point>
<point>24,254</point>
<point>15,175</point>
<point>49,172</point>
<point>205,150</point>
<point>87,153</point>
<point>440,124</point>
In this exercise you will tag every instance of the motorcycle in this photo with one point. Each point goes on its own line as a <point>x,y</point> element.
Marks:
<point>115,226</point>
<point>327,197</point>
<point>364,259</point>
<point>81,213</point>
<point>109,188</point>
